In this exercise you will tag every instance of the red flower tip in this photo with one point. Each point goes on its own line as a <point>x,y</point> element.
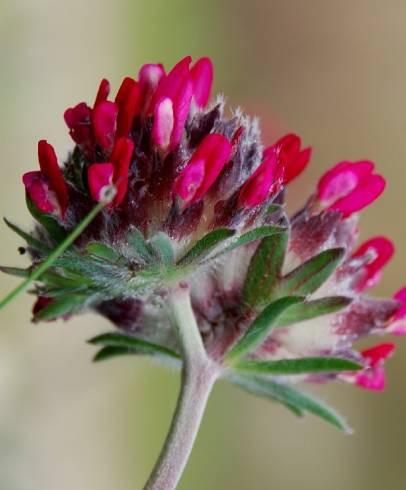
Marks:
<point>178,87</point>
<point>40,194</point>
<point>51,181</point>
<point>372,377</point>
<point>41,303</point>
<point>127,100</point>
<point>265,181</point>
<point>79,121</point>
<point>203,168</point>
<point>295,160</point>
<point>202,76</point>
<point>379,251</point>
<point>121,159</point>
<point>104,123</point>
<point>100,178</point>
<point>102,93</point>
<point>149,77</point>
<point>397,326</point>
<point>349,187</point>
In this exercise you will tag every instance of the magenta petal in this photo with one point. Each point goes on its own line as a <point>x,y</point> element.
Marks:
<point>79,121</point>
<point>100,176</point>
<point>369,189</point>
<point>342,179</point>
<point>121,158</point>
<point>214,151</point>
<point>104,123</point>
<point>297,165</point>
<point>190,180</point>
<point>378,250</point>
<point>149,77</point>
<point>378,353</point>
<point>372,379</point>
<point>181,111</point>
<point>163,123</point>
<point>40,193</point>
<point>202,76</point>
<point>102,93</point>
<point>53,174</point>
<point>259,185</point>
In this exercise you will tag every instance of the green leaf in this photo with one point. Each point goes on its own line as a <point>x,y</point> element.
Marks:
<point>310,275</point>
<point>298,366</point>
<point>206,245</point>
<point>51,225</point>
<point>31,241</point>
<point>142,249</point>
<point>117,344</point>
<point>252,236</point>
<point>250,385</point>
<point>313,309</point>
<point>265,268</point>
<point>162,247</point>
<point>290,397</point>
<point>260,328</point>
<point>61,307</point>
<point>53,255</point>
<point>102,251</point>
<point>15,271</point>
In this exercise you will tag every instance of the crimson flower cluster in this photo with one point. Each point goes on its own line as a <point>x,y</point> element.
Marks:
<point>182,174</point>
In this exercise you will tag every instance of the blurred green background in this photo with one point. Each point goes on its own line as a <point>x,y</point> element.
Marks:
<point>333,71</point>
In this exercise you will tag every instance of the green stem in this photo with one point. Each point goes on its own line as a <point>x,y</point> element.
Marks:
<point>53,255</point>
<point>199,374</point>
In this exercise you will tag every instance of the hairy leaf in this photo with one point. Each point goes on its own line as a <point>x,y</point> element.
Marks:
<point>290,397</point>
<point>264,269</point>
<point>260,327</point>
<point>310,275</point>
<point>206,245</point>
<point>143,250</point>
<point>313,309</point>
<point>31,241</point>
<point>298,366</point>
<point>162,246</point>
<point>103,251</point>
<point>117,344</point>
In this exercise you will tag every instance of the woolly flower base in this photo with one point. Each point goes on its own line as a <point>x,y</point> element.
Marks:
<point>193,257</point>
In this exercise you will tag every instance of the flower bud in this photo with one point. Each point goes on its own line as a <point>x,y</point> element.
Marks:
<point>203,168</point>
<point>349,187</point>
<point>378,251</point>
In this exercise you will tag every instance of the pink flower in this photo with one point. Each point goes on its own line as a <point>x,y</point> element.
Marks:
<point>378,252</point>
<point>149,77</point>
<point>372,377</point>
<point>349,187</point>
<point>265,181</point>
<point>47,188</point>
<point>203,168</point>
<point>202,76</point>
<point>79,118</point>
<point>104,120</point>
<point>127,100</point>
<point>79,121</point>
<point>295,160</point>
<point>397,325</point>
<point>102,175</point>
<point>172,101</point>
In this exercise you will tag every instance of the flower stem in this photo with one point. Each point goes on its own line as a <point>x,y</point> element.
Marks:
<point>199,374</point>
<point>53,255</point>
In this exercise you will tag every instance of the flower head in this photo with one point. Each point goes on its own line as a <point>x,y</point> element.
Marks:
<point>194,201</point>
